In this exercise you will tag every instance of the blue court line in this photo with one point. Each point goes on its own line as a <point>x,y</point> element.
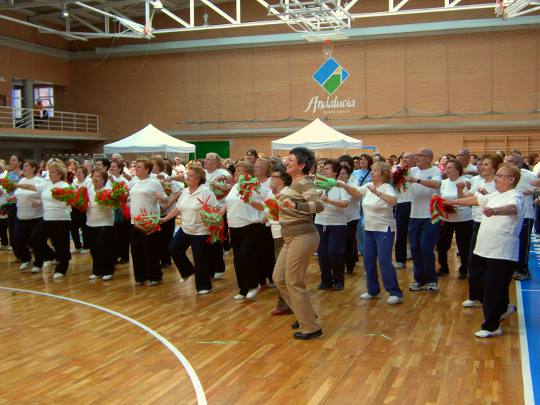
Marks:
<point>529,326</point>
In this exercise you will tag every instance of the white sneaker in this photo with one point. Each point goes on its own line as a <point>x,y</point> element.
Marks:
<point>25,265</point>
<point>107,277</point>
<point>58,276</point>
<point>368,296</point>
<point>203,292</point>
<point>93,277</point>
<point>84,251</point>
<point>487,334</point>
<point>218,276</point>
<point>471,304</point>
<point>252,294</point>
<point>393,299</point>
<point>47,263</point>
<point>36,269</point>
<point>509,311</point>
<point>239,297</point>
<point>54,262</point>
<point>5,247</point>
<point>399,265</point>
<point>75,251</point>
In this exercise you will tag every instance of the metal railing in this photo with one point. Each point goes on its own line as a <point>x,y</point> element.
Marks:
<point>36,119</point>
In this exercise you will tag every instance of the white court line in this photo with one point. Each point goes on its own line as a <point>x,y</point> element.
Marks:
<point>201,398</point>
<point>525,360</point>
<point>531,290</point>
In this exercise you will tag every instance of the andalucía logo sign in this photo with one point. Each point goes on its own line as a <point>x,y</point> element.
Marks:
<point>331,75</point>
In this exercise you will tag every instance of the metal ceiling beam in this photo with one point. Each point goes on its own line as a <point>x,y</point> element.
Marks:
<point>42,28</point>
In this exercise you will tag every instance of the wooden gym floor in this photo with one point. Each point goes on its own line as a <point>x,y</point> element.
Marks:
<point>420,352</point>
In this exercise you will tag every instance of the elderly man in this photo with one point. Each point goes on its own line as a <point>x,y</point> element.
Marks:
<point>425,180</point>
<point>527,189</point>
<point>464,157</point>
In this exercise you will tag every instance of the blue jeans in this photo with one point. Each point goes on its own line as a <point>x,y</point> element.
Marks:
<point>402,214</point>
<point>378,245</point>
<point>423,236</point>
<point>331,253</point>
<point>360,235</point>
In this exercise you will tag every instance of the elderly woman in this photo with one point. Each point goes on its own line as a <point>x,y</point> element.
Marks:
<point>480,185</point>
<point>121,224</point>
<point>245,225</point>
<point>459,221</point>
<point>380,225</point>
<point>497,247</point>
<point>362,176</point>
<point>144,192</point>
<point>193,232</point>
<point>56,220</point>
<point>29,214</point>
<point>298,203</point>
<point>331,224</point>
<point>100,223</point>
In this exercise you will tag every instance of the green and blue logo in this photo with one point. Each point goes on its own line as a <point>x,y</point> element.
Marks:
<point>330,76</point>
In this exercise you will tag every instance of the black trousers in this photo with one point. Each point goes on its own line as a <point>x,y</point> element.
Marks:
<point>122,236</point>
<point>463,232</point>
<point>267,258</point>
<point>167,233</point>
<point>58,232</point>
<point>402,214</point>
<point>102,249</point>
<point>490,280</point>
<point>217,264</point>
<point>244,242</point>
<point>351,251</point>
<point>201,250</point>
<point>4,241</point>
<point>12,217</point>
<point>78,221</point>
<point>144,253</point>
<point>22,239</point>
<point>524,245</point>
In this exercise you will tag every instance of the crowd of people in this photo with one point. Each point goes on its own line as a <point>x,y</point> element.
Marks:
<point>369,207</point>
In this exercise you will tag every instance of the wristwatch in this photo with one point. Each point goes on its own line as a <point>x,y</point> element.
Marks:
<point>418,181</point>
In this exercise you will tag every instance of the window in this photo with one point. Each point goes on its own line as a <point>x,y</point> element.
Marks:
<point>45,95</point>
<point>16,102</point>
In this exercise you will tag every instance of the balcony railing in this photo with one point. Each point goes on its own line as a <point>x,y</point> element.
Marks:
<point>61,121</point>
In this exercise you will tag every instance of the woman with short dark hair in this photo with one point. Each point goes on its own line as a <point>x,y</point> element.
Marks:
<point>298,203</point>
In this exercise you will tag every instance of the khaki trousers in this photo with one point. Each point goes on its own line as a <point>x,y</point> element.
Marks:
<point>289,277</point>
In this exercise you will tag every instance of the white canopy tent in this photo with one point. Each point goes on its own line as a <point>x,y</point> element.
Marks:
<point>317,135</point>
<point>149,140</point>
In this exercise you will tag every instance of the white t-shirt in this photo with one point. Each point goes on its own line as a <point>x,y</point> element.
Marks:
<point>449,192</point>
<point>264,190</point>
<point>476,183</point>
<point>498,236</point>
<point>525,185</point>
<point>141,196</point>
<point>189,204</point>
<point>87,182</point>
<point>378,214</point>
<point>275,227</point>
<point>53,210</point>
<point>421,195</point>
<point>333,215</point>
<point>352,212</point>
<point>97,216</point>
<point>404,196</point>
<point>239,213</point>
<point>470,168</point>
<point>26,198</point>
<point>215,176</point>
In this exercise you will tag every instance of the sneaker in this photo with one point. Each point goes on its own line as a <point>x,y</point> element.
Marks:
<point>54,262</point>
<point>75,251</point>
<point>25,265</point>
<point>47,263</point>
<point>58,276</point>
<point>204,292</point>
<point>509,311</point>
<point>239,297</point>
<point>325,286</point>
<point>217,276</point>
<point>36,269</point>
<point>252,294</point>
<point>339,285</point>
<point>416,286</point>
<point>393,299</point>
<point>399,265</point>
<point>5,247</point>
<point>471,304</point>
<point>84,251</point>
<point>430,287</point>
<point>487,334</point>
<point>93,277</point>
<point>107,277</point>
<point>368,296</point>
<point>152,283</point>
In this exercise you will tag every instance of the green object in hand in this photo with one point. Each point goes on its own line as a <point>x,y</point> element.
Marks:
<point>324,183</point>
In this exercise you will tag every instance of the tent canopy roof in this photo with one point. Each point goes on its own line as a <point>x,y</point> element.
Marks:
<point>317,135</point>
<point>149,140</point>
